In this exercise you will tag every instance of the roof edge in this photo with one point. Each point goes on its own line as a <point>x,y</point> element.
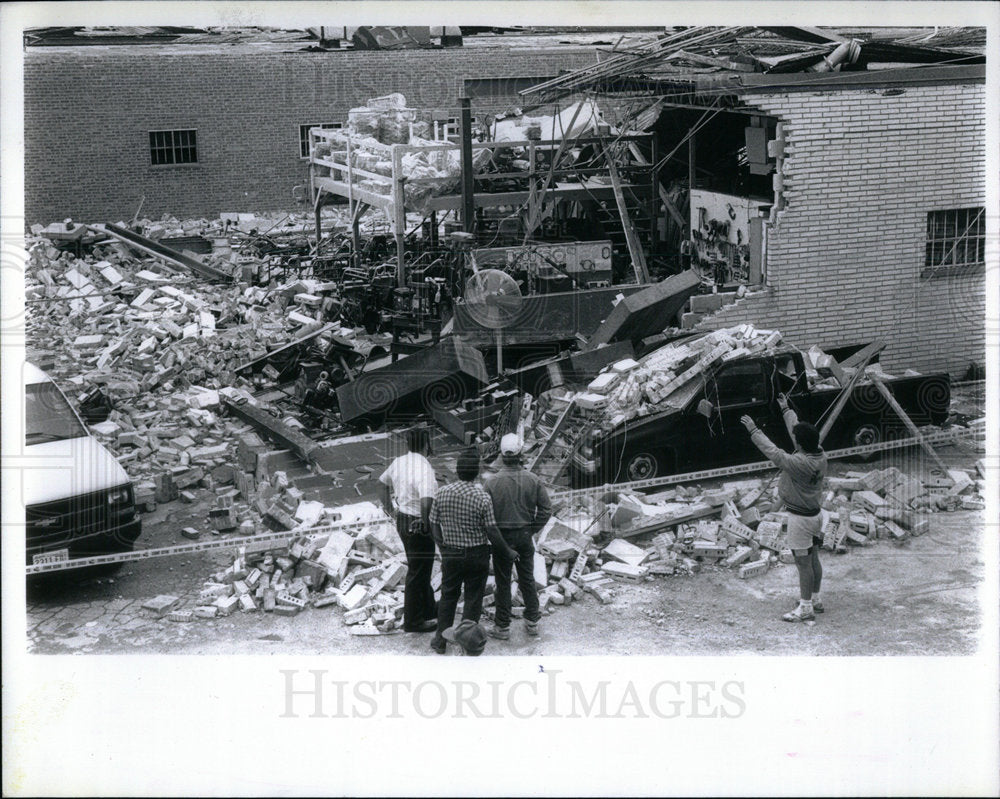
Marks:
<point>838,81</point>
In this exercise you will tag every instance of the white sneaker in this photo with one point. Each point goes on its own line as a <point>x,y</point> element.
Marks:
<point>801,613</point>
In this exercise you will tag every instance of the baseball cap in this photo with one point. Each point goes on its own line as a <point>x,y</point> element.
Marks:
<point>510,444</point>
<point>468,635</point>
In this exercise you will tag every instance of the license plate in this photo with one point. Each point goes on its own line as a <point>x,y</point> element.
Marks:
<point>56,556</point>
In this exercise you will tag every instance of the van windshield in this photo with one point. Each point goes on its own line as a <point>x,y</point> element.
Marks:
<point>48,417</point>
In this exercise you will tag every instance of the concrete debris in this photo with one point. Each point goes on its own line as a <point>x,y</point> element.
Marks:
<point>355,570</point>
<point>160,353</point>
<point>666,377</point>
<point>669,533</point>
<point>161,605</point>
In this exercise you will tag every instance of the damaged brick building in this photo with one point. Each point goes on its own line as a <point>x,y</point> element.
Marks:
<point>637,250</point>
<point>880,178</point>
<point>861,213</point>
<point>851,201</point>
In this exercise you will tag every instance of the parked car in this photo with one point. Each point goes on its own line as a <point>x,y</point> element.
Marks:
<point>78,497</point>
<point>707,434</point>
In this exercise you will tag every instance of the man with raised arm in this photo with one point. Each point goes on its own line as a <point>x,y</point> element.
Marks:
<point>800,487</point>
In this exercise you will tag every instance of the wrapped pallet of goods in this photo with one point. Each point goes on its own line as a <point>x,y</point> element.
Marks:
<point>667,377</point>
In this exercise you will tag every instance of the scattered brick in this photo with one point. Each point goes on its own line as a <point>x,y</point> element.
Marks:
<point>161,605</point>
<point>755,568</point>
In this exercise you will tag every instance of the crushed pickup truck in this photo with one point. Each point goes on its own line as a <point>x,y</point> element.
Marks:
<point>678,408</point>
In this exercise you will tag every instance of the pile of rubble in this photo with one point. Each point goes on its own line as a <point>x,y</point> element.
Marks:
<point>669,375</point>
<point>361,572</point>
<point>686,528</point>
<point>161,348</point>
<point>590,546</point>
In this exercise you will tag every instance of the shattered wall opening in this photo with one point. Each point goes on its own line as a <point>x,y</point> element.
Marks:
<point>862,167</point>
<point>720,168</point>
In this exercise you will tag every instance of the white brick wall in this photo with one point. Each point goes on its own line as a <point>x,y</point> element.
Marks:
<point>862,169</point>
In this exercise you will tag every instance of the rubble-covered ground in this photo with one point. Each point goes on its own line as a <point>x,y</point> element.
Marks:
<point>901,574</point>
<point>915,597</point>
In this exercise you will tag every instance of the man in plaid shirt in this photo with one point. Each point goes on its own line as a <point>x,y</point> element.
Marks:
<point>463,526</point>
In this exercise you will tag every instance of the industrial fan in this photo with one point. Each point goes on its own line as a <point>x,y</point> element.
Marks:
<point>494,301</point>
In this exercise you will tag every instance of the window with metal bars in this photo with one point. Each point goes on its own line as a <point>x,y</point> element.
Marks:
<point>956,240</point>
<point>173,147</point>
<point>304,135</point>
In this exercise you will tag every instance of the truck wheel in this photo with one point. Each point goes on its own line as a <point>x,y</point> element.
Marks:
<point>646,465</point>
<point>641,466</point>
<point>863,434</point>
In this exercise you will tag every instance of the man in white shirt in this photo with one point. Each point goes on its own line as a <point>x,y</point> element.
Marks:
<point>408,486</point>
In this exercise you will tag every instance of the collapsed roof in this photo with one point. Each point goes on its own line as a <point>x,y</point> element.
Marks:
<point>698,56</point>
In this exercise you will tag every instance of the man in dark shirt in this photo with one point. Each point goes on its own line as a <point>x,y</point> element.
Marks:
<point>463,526</point>
<point>521,506</point>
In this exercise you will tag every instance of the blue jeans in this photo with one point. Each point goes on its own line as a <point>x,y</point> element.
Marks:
<point>521,542</point>
<point>461,569</point>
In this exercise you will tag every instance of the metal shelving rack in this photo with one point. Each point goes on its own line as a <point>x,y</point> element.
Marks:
<point>333,172</point>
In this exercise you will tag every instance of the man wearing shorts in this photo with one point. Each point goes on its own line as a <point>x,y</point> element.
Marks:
<point>800,487</point>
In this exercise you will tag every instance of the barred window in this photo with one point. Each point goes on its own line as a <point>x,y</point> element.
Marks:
<point>955,238</point>
<point>304,135</point>
<point>173,147</point>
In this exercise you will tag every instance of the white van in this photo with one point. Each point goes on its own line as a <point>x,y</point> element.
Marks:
<point>78,497</point>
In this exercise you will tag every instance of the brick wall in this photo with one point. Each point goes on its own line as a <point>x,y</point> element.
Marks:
<point>862,170</point>
<point>87,118</point>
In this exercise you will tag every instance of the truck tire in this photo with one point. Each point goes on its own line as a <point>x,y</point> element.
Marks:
<point>862,434</point>
<point>647,464</point>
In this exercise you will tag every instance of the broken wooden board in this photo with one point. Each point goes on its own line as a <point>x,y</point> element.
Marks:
<point>656,523</point>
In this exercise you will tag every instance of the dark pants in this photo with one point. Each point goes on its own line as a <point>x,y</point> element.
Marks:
<point>462,568</point>
<point>520,541</point>
<point>418,596</point>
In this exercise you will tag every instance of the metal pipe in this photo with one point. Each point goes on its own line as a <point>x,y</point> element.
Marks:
<point>468,200</point>
<point>691,156</point>
<point>846,51</point>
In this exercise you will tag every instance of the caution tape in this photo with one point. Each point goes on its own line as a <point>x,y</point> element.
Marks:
<point>60,561</point>
<point>941,437</point>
